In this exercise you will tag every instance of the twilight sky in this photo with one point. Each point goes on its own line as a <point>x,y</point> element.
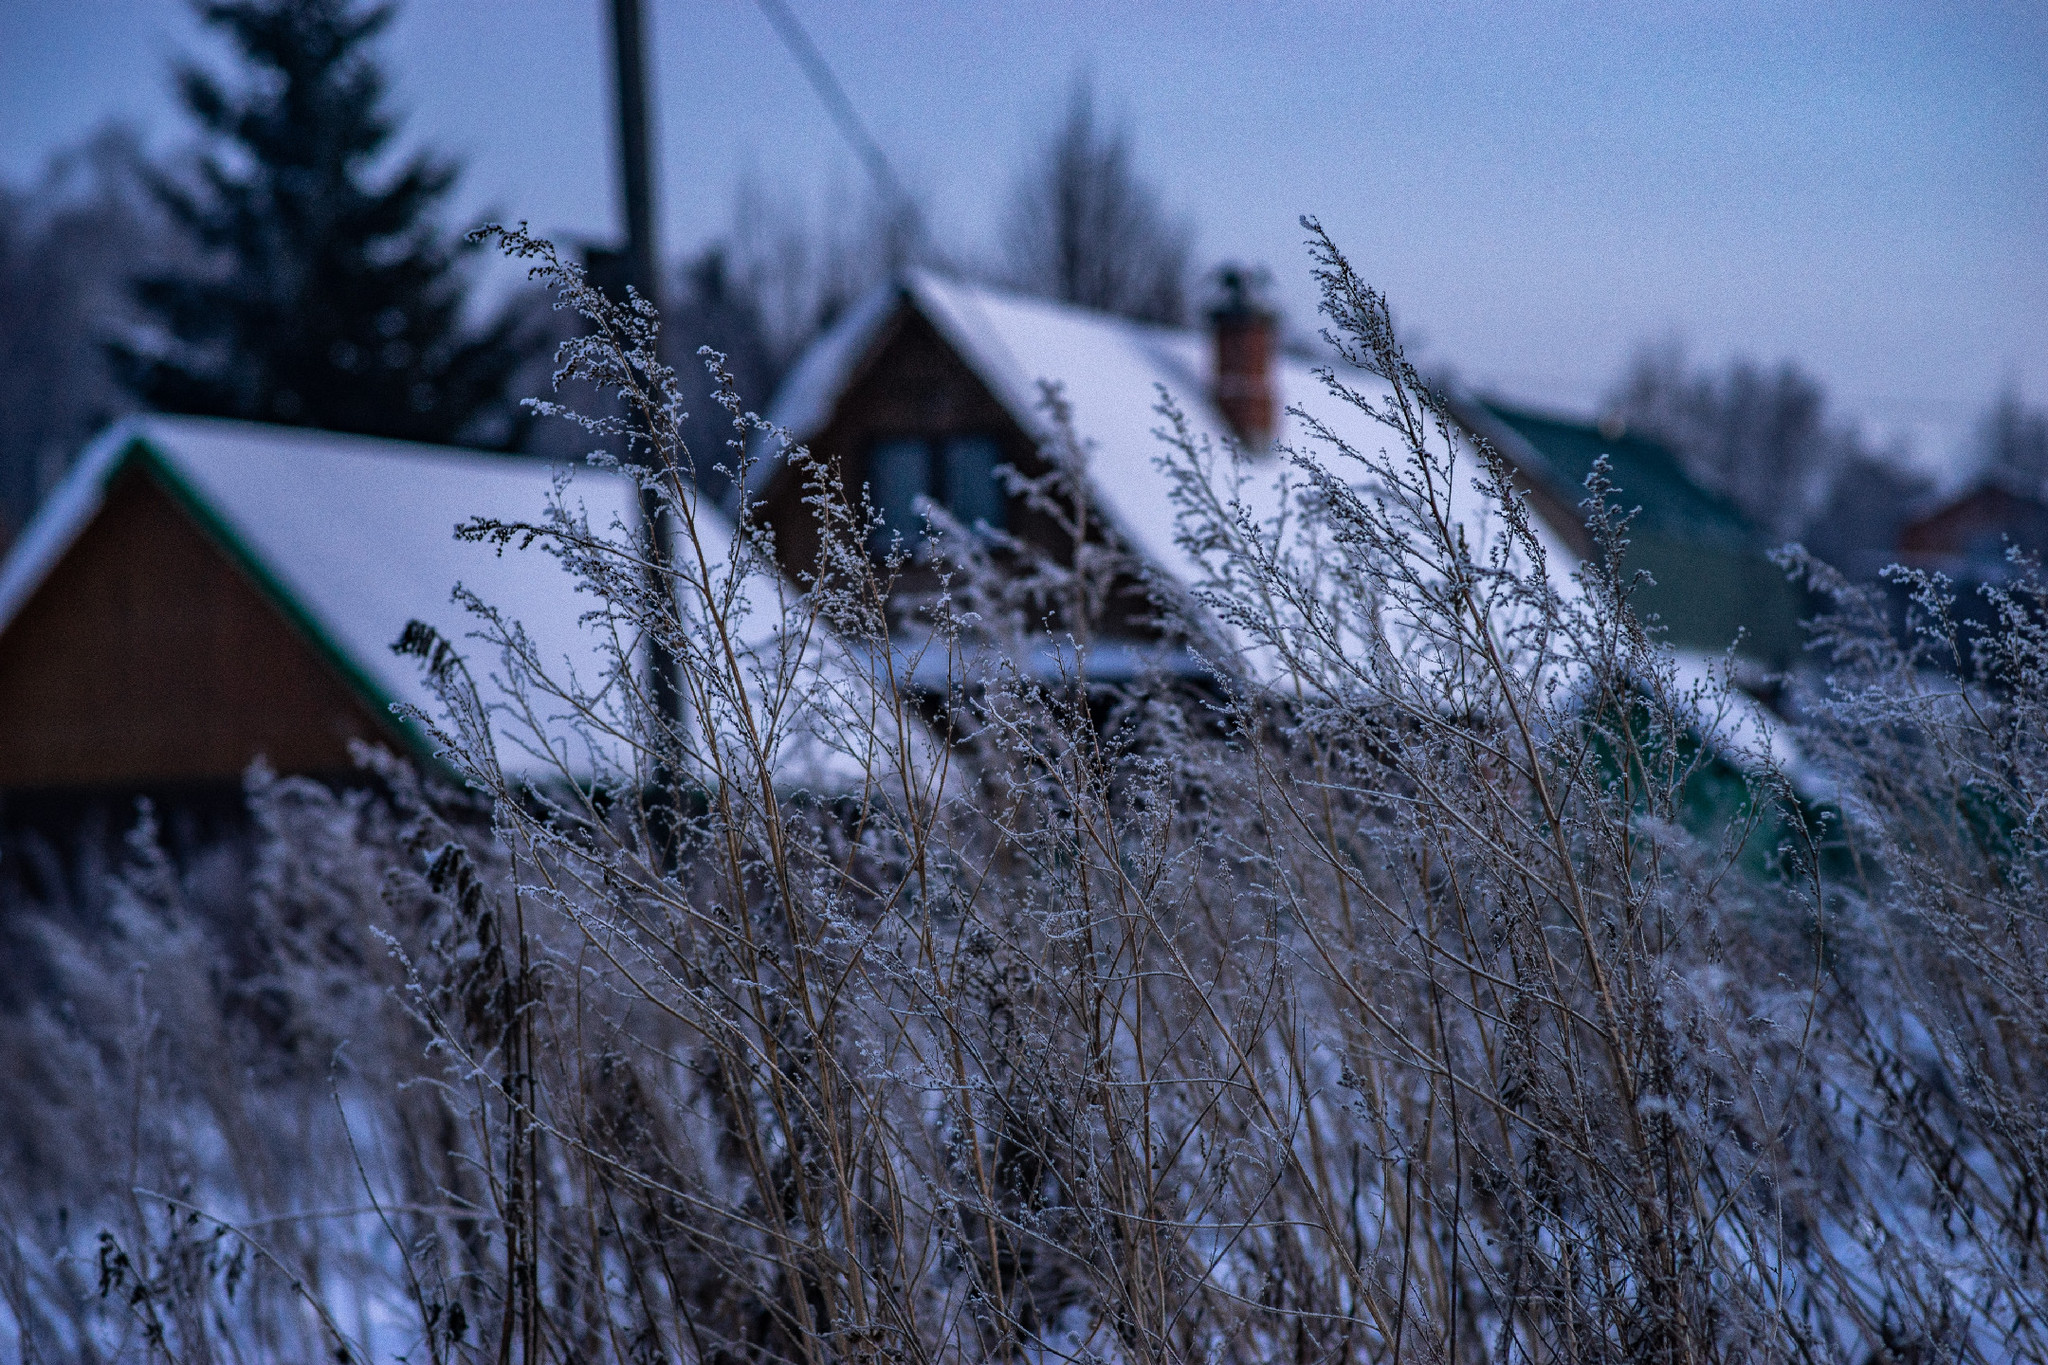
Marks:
<point>1536,186</point>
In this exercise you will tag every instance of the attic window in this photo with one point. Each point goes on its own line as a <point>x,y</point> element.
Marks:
<point>957,471</point>
<point>899,473</point>
<point>973,492</point>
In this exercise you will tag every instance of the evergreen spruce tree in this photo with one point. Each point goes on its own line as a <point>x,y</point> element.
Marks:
<point>323,295</point>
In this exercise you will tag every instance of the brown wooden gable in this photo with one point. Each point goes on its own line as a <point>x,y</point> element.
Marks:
<point>149,656</point>
<point>914,383</point>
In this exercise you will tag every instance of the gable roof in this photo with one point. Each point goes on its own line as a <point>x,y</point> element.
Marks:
<point>1561,451</point>
<point>350,537</point>
<point>1111,371</point>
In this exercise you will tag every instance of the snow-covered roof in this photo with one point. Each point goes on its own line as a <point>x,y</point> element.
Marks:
<point>1111,372</point>
<point>352,535</point>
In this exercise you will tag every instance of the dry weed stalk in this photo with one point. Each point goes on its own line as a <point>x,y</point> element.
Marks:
<point>1391,997</point>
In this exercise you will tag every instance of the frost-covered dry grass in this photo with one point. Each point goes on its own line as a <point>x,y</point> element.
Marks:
<point>1417,988</point>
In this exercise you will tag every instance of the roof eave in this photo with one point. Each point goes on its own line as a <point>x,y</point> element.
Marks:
<point>806,400</point>
<point>78,499</point>
<point>64,515</point>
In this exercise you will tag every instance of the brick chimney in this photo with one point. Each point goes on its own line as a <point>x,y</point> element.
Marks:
<point>1243,333</point>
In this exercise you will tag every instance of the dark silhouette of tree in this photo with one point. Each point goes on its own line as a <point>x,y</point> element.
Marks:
<point>1760,436</point>
<point>323,295</point>
<point>1085,228</point>
<point>2012,440</point>
<point>68,243</point>
<point>1764,438</point>
<point>711,305</point>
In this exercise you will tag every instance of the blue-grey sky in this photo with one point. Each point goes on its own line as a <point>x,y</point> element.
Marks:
<point>1536,186</point>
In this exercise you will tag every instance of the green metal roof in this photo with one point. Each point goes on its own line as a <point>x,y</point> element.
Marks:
<point>1645,473</point>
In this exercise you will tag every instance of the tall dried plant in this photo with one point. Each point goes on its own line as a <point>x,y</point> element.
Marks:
<point>1434,977</point>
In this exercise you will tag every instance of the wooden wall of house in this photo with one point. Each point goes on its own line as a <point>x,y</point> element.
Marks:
<point>148,656</point>
<point>914,384</point>
<point>1976,525</point>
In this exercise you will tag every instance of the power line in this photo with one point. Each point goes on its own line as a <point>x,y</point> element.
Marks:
<point>828,88</point>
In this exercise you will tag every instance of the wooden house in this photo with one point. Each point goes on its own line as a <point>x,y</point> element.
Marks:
<point>930,384</point>
<point>199,593</point>
<point>1966,536</point>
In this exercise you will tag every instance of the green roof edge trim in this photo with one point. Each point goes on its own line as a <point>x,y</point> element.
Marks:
<point>143,452</point>
<point>1646,469</point>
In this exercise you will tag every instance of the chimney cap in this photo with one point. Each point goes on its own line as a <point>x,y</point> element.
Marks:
<point>1239,294</point>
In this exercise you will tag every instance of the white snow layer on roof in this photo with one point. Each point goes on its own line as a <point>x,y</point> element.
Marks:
<point>359,534</point>
<point>1739,726</point>
<point>1111,372</point>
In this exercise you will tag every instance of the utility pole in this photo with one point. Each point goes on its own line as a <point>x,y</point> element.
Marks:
<point>639,265</point>
<point>636,159</point>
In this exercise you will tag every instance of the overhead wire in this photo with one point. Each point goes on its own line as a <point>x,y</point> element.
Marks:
<point>819,73</point>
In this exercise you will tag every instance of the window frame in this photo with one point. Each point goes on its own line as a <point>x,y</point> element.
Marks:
<point>941,472</point>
